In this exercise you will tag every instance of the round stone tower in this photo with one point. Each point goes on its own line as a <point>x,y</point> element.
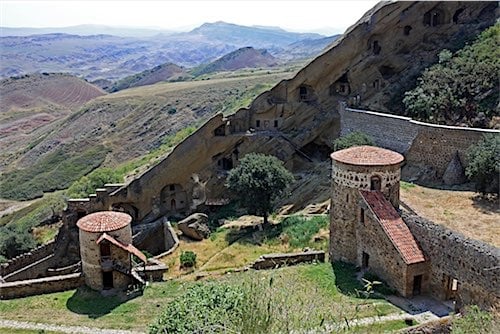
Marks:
<point>104,237</point>
<point>353,169</point>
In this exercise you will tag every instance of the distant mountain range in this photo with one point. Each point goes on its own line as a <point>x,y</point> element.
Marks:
<point>85,30</point>
<point>111,57</point>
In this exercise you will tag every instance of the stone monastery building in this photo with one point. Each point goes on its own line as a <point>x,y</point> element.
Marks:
<point>366,228</point>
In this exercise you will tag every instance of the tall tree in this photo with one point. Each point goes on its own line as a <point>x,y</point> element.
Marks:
<point>257,181</point>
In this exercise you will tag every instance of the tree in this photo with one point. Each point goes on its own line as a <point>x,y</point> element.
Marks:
<point>257,181</point>
<point>355,138</point>
<point>484,164</point>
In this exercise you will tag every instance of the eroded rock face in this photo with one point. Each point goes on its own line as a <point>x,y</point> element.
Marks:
<point>195,226</point>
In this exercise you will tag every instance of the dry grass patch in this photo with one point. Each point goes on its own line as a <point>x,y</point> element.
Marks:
<point>461,210</point>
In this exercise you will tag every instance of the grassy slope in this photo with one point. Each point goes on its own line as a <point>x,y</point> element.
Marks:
<point>308,283</point>
<point>122,126</point>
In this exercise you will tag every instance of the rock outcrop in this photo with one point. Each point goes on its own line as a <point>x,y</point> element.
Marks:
<point>454,173</point>
<point>195,226</point>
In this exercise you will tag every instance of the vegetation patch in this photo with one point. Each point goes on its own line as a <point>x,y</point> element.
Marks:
<point>356,138</point>
<point>484,164</point>
<point>462,89</point>
<point>57,170</point>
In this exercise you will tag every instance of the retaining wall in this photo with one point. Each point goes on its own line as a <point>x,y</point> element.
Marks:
<point>270,261</point>
<point>42,285</point>
<point>26,259</point>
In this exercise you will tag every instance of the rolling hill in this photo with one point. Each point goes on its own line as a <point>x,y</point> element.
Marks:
<point>159,73</point>
<point>247,57</point>
<point>33,104</point>
<point>118,127</point>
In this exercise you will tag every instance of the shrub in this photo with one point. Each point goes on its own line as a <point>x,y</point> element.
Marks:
<point>473,321</point>
<point>484,164</point>
<point>15,241</point>
<point>462,88</point>
<point>378,285</point>
<point>300,230</point>
<point>188,259</point>
<point>207,308</point>
<point>88,184</point>
<point>355,138</point>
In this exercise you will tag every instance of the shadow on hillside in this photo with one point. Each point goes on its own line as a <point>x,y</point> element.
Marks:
<point>254,235</point>
<point>487,204</point>
<point>345,278</point>
<point>91,303</point>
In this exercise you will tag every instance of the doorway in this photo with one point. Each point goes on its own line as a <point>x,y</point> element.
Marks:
<point>417,285</point>
<point>105,249</point>
<point>365,260</point>
<point>107,280</point>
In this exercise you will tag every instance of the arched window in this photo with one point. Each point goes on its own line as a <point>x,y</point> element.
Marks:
<point>375,183</point>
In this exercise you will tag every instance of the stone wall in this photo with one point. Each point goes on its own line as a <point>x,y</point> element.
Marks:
<point>270,261</point>
<point>422,144</point>
<point>25,259</point>
<point>474,264</point>
<point>42,285</point>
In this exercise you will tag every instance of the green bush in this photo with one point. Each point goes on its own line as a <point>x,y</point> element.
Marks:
<point>88,184</point>
<point>300,230</point>
<point>188,259</point>
<point>355,138</point>
<point>15,241</point>
<point>473,321</point>
<point>462,88</point>
<point>204,308</point>
<point>484,164</point>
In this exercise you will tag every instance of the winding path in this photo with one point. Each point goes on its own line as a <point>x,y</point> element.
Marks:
<point>60,328</point>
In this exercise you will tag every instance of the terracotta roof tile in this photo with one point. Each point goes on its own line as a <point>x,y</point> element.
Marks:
<point>129,247</point>
<point>367,156</point>
<point>392,224</point>
<point>104,221</point>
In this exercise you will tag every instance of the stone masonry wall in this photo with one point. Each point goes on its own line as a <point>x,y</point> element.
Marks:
<point>38,286</point>
<point>474,264</point>
<point>25,259</point>
<point>421,143</point>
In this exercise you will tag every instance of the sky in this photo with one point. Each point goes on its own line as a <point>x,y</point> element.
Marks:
<point>324,16</point>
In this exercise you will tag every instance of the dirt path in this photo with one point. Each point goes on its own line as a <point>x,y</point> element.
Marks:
<point>4,324</point>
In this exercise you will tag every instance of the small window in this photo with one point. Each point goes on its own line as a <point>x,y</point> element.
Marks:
<point>376,48</point>
<point>172,187</point>
<point>257,123</point>
<point>406,30</point>
<point>303,93</point>
<point>275,123</point>
<point>347,198</point>
<point>375,183</point>
<point>362,215</point>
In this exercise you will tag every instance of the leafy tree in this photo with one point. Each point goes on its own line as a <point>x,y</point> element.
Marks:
<point>355,138</point>
<point>15,241</point>
<point>257,181</point>
<point>484,164</point>
<point>462,88</point>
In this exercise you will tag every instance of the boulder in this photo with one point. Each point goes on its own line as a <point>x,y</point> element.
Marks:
<point>195,226</point>
<point>454,173</point>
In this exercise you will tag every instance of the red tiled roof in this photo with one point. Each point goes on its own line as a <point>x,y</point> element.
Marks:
<point>394,227</point>
<point>104,221</point>
<point>129,248</point>
<point>367,156</point>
